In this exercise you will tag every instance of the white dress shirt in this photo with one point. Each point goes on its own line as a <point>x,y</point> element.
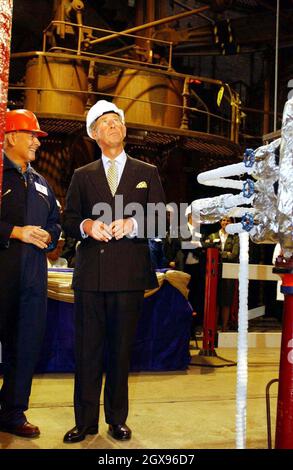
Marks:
<point>223,238</point>
<point>120,161</point>
<point>191,257</point>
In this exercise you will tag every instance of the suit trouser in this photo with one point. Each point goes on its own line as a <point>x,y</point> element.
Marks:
<point>196,286</point>
<point>22,341</point>
<point>105,325</point>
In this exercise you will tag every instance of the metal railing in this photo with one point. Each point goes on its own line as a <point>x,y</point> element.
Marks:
<point>197,115</point>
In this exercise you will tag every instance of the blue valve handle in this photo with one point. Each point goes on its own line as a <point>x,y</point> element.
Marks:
<point>247,221</point>
<point>249,158</point>
<point>248,188</point>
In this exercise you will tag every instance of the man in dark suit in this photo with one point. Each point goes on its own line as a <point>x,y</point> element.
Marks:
<point>193,262</point>
<point>112,269</point>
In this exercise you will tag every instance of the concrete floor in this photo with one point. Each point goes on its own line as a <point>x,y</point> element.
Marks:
<point>194,409</point>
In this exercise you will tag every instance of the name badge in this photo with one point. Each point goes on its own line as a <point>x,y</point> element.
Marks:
<point>42,189</point>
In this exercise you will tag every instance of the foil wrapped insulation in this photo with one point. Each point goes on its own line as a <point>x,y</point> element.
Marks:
<point>285,190</point>
<point>271,199</point>
<point>266,174</point>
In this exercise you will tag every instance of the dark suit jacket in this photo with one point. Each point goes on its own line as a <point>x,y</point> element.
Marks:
<point>231,247</point>
<point>117,265</point>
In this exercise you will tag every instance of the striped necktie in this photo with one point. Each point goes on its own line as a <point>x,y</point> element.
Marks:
<point>112,177</point>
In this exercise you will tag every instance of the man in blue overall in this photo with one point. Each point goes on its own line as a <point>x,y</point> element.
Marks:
<point>29,226</point>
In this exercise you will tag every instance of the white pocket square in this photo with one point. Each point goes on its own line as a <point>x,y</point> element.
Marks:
<point>142,184</point>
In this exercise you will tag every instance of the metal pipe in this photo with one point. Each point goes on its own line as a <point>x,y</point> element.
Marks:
<point>121,49</point>
<point>210,303</point>
<point>185,94</point>
<point>284,428</point>
<point>55,23</point>
<point>268,408</point>
<point>159,103</point>
<point>103,59</point>
<point>186,7</point>
<point>141,27</point>
<point>5,38</point>
<point>266,115</point>
<point>206,108</point>
<point>276,65</point>
<point>255,110</point>
<point>234,103</point>
<point>150,11</point>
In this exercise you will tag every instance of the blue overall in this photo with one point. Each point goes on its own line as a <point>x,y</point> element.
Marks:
<point>27,199</point>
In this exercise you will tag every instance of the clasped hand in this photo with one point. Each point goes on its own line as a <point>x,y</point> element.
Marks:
<point>117,229</point>
<point>33,234</point>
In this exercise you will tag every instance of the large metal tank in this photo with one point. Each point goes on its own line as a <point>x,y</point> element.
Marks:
<point>53,75</point>
<point>147,98</point>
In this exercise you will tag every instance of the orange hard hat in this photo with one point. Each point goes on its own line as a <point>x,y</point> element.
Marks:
<point>23,120</point>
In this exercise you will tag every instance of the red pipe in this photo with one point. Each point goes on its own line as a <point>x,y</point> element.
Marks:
<point>284,426</point>
<point>5,38</point>
<point>210,304</point>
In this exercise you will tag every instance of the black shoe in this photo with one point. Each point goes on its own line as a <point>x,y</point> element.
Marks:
<point>78,434</point>
<point>121,432</point>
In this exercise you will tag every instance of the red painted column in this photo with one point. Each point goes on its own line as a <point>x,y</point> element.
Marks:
<point>5,37</point>
<point>210,309</point>
<point>284,426</point>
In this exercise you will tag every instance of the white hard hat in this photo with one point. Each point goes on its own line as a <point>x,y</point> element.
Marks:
<point>100,108</point>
